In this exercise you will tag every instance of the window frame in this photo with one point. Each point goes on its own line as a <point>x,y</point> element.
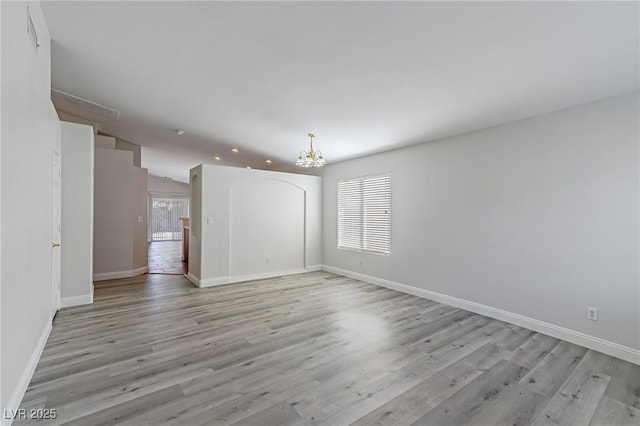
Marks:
<point>365,227</point>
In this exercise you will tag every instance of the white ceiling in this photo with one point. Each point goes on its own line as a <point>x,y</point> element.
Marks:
<point>363,76</point>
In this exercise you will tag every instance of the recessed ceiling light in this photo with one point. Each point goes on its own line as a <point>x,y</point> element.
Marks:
<point>180,132</point>
<point>249,167</point>
<point>235,150</point>
<point>217,158</point>
<point>268,161</point>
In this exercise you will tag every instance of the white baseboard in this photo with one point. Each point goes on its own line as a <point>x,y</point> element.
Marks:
<point>313,268</point>
<point>212,282</point>
<point>601,345</point>
<point>120,274</point>
<point>25,377</point>
<point>208,282</point>
<point>195,280</point>
<point>67,302</point>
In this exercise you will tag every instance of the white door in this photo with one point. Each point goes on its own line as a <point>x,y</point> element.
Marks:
<point>56,215</point>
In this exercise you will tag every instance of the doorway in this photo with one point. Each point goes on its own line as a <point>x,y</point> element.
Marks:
<point>166,232</point>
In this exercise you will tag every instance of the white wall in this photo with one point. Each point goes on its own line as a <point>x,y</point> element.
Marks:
<point>30,129</point>
<point>195,222</point>
<point>538,218</point>
<point>158,184</point>
<point>107,142</point>
<point>120,241</point>
<point>140,202</point>
<point>221,244</point>
<point>77,213</point>
<point>2,406</point>
<point>266,227</point>
<point>71,118</point>
<point>129,146</point>
<point>113,223</point>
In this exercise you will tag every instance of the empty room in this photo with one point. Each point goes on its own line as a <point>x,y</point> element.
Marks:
<point>320,213</point>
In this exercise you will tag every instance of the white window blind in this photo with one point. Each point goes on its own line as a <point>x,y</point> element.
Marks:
<point>364,214</point>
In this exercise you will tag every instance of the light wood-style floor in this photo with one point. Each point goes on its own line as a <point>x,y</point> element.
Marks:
<point>165,257</point>
<point>313,349</point>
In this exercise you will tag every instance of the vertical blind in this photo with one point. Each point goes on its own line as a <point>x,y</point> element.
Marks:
<point>364,213</point>
<point>166,211</point>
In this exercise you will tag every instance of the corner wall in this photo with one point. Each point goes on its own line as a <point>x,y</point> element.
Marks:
<point>77,214</point>
<point>537,219</point>
<point>140,220</point>
<point>114,206</point>
<point>120,239</point>
<point>241,227</point>
<point>123,145</point>
<point>30,131</point>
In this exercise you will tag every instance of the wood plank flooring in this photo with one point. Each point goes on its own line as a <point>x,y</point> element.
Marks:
<point>312,349</point>
<point>165,257</point>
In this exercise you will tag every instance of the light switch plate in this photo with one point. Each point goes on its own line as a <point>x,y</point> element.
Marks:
<point>140,219</point>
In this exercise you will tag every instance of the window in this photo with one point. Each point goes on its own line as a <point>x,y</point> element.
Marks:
<point>166,211</point>
<point>364,214</point>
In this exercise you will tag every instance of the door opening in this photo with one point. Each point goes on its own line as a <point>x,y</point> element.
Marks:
<point>166,232</point>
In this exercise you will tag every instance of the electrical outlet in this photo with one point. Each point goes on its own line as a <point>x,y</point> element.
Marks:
<point>267,260</point>
<point>592,313</point>
<point>361,263</point>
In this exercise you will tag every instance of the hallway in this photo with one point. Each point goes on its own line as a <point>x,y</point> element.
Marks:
<point>165,257</point>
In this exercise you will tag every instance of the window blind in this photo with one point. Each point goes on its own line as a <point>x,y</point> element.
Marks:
<point>364,214</point>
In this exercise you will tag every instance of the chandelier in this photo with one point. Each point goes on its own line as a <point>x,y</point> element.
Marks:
<point>311,158</point>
